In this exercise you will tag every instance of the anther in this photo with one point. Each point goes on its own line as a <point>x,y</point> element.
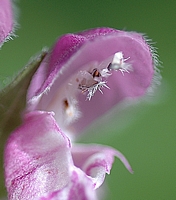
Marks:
<point>109,66</point>
<point>95,73</point>
<point>118,63</point>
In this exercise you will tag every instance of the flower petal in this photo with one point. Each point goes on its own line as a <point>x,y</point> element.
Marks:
<point>37,158</point>
<point>74,51</point>
<point>96,161</point>
<point>63,50</point>
<point>79,188</point>
<point>6,20</point>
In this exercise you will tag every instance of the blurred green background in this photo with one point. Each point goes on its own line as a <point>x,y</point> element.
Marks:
<point>145,133</point>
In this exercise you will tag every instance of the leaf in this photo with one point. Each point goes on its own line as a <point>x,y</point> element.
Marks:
<point>12,104</point>
<point>13,98</point>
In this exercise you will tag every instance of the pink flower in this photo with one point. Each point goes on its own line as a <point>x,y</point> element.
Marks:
<point>6,20</point>
<point>83,77</point>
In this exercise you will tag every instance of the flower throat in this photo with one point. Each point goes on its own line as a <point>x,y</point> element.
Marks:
<point>92,78</point>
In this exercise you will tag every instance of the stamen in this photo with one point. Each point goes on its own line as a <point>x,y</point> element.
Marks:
<point>91,90</point>
<point>118,63</point>
<point>95,73</point>
<point>95,79</point>
<point>93,82</point>
<point>105,73</point>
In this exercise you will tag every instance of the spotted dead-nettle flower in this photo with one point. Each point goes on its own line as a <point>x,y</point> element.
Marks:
<point>81,78</point>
